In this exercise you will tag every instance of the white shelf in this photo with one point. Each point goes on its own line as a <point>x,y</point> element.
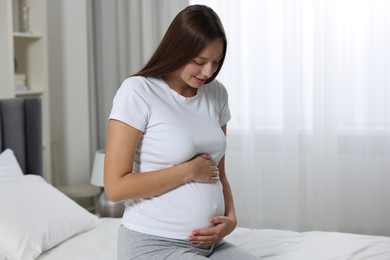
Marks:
<point>28,93</point>
<point>26,35</point>
<point>29,50</point>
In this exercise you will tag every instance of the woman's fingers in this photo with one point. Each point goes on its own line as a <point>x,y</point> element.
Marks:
<point>214,172</point>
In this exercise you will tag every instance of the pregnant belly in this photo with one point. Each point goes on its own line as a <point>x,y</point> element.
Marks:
<point>177,213</point>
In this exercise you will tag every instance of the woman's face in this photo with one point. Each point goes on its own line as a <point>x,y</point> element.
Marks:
<point>198,70</point>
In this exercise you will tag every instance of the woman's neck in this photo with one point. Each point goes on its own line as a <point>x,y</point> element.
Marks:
<point>180,86</point>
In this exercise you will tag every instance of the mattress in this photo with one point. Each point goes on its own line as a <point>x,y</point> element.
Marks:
<point>100,244</point>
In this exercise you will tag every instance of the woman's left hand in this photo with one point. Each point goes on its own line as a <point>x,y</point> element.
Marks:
<point>210,236</point>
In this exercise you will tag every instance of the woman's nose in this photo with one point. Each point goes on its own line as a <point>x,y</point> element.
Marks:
<point>208,69</point>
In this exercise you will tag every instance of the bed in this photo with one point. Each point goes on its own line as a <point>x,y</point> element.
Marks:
<point>37,221</point>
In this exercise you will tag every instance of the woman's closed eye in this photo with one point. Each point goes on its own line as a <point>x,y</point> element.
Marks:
<point>200,63</point>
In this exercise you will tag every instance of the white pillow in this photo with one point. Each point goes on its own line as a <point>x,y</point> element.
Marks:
<point>9,166</point>
<point>35,216</point>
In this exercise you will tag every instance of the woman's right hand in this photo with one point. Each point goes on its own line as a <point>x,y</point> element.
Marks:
<point>203,169</point>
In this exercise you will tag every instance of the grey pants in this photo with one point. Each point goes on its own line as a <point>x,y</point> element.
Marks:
<point>135,245</point>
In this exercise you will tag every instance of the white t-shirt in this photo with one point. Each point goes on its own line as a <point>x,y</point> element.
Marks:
<point>175,129</point>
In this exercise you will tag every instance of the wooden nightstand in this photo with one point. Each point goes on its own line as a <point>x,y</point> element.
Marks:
<point>81,192</point>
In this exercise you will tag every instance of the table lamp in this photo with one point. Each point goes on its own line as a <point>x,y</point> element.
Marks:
<point>105,207</point>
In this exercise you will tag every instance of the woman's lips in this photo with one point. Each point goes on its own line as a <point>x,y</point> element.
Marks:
<point>200,81</point>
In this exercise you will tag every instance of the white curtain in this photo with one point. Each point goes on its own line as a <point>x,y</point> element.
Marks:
<point>124,34</point>
<point>309,88</point>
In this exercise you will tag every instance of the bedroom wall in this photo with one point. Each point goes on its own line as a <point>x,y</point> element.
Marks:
<point>68,84</point>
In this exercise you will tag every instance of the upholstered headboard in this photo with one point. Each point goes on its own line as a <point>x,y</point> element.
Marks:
<point>21,131</point>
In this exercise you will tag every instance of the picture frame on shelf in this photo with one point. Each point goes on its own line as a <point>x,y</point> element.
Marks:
<point>25,18</point>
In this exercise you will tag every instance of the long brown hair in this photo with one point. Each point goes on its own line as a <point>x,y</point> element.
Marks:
<point>189,33</point>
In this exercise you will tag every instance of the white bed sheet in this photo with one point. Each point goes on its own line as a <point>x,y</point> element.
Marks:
<point>100,244</point>
<point>315,245</point>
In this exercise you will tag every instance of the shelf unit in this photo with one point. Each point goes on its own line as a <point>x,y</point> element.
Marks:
<point>25,53</point>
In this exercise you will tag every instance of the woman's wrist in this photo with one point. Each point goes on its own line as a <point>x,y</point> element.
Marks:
<point>185,169</point>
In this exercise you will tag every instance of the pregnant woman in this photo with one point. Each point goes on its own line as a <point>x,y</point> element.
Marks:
<point>166,145</point>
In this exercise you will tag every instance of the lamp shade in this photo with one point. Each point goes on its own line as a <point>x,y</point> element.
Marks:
<point>97,177</point>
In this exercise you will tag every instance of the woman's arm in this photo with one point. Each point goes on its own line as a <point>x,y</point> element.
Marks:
<point>227,192</point>
<point>119,181</point>
<point>230,211</point>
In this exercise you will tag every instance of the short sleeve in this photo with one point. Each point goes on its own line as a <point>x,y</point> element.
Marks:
<point>131,103</point>
<point>224,111</point>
